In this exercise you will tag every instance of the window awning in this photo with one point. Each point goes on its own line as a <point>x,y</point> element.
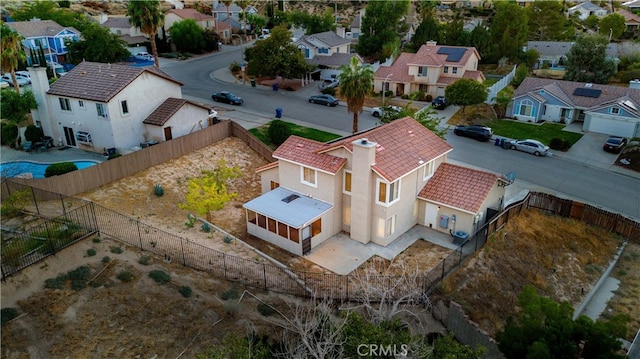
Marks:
<point>289,207</point>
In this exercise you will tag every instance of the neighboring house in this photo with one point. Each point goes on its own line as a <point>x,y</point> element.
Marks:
<point>586,9</point>
<point>326,50</point>
<point>47,33</point>
<point>555,52</point>
<point>354,28</point>
<point>632,5</point>
<point>121,26</point>
<point>430,70</point>
<point>612,110</point>
<point>224,31</point>
<point>221,14</point>
<point>97,106</point>
<point>631,21</point>
<point>374,186</point>
<point>172,16</point>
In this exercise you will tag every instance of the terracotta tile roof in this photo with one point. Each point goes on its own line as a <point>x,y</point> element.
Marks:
<point>100,82</point>
<point>629,17</point>
<point>222,25</point>
<point>399,69</point>
<point>267,166</point>
<point>167,109</point>
<point>38,28</point>
<point>430,52</point>
<point>307,152</point>
<point>459,187</point>
<point>474,75</point>
<point>190,14</point>
<point>403,146</point>
<point>564,90</point>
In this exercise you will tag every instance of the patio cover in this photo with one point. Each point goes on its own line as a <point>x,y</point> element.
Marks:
<point>296,213</point>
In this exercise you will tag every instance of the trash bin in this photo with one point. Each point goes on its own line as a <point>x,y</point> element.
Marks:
<point>275,86</point>
<point>506,144</point>
<point>253,82</point>
<point>278,112</point>
<point>498,141</point>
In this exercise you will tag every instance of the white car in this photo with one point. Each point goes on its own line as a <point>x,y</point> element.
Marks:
<point>144,56</point>
<point>21,80</point>
<point>530,146</point>
<point>378,111</point>
<point>24,74</point>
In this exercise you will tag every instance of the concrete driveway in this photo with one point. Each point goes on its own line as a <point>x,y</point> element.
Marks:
<point>588,150</point>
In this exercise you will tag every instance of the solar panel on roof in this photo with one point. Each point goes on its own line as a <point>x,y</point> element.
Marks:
<point>454,54</point>
<point>587,92</point>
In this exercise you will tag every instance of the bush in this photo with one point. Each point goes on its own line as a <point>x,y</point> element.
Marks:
<point>278,132</point>
<point>125,276</point>
<point>55,283</point>
<point>559,144</point>
<point>185,291</point>
<point>144,260</point>
<point>9,134</point>
<point>116,250</point>
<point>159,276</point>
<point>106,259</point>
<point>96,240</point>
<point>91,252</point>
<point>329,91</point>
<point>626,76</point>
<point>235,67</point>
<point>404,96</point>
<point>232,293</point>
<point>206,228</point>
<point>265,310</point>
<point>60,168</point>
<point>227,239</point>
<point>158,190</point>
<point>8,314</point>
<point>33,133</point>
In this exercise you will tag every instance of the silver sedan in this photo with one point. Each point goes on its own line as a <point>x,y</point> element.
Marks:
<point>530,146</point>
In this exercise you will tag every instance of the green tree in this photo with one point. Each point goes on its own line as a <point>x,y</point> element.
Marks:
<point>148,17</point>
<point>453,31</point>
<point>509,29</point>
<point>382,26</point>
<point>11,52</point>
<point>465,92</point>
<point>276,56</point>
<point>429,29</point>
<point>356,82</point>
<point>592,22</point>
<point>50,10</point>
<point>547,22</point>
<point>612,25</point>
<point>256,22</point>
<point>587,60</point>
<point>544,329</point>
<point>97,44</point>
<point>312,24</point>
<point>209,192</point>
<point>481,40</point>
<point>522,71</point>
<point>243,5</point>
<point>187,35</point>
<point>14,106</point>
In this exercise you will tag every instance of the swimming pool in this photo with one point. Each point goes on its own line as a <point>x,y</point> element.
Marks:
<point>15,168</point>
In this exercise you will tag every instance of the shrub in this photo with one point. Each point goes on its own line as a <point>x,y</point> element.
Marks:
<point>106,259</point>
<point>231,293</point>
<point>79,277</point>
<point>404,96</point>
<point>8,314</point>
<point>91,252</point>
<point>60,168</point>
<point>185,291</point>
<point>629,75</point>
<point>125,276</point>
<point>33,133</point>
<point>96,240</point>
<point>235,67</point>
<point>9,134</point>
<point>13,204</point>
<point>278,132</point>
<point>428,98</point>
<point>191,220</point>
<point>559,144</point>
<point>55,283</point>
<point>227,239</point>
<point>113,155</point>
<point>329,91</point>
<point>116,250</point>
<point>265,309</point>
<point>159,276</point>
<point>144,260</point>
<point>158,190</point>
<point>206,228</point>
<point>230,308</point>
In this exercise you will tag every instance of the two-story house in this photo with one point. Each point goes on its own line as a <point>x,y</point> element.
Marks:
<point>612,110</point>
<point>121,26</point>
<point>206,22</point>
<point>326,50</point>
<point>231,15</point>
<point>48,34</point>
<point>97,106</point>
<point>430,70</point>
<point>374,186</point>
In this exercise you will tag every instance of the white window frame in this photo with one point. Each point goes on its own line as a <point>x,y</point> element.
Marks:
<point>426,71</point>
<point>615,110</point>
<point>390,225</point>
<point>124,104</point>
<point>526,104</point>
<point>100,107</point>
<point>81,104</point>
<point>344,181</point>
<point>428,170</point>
<point>446,69</point>
<point>65,104</point>
<point>454,70</point>
<point>391,188</point>
<point>313,184</point>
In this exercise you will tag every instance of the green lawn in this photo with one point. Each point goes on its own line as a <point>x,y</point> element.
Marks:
<point>542,132</point>
<point>306,132</point>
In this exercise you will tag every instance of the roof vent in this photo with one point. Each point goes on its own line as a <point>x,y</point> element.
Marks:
<point>299,145</point>
<point>84,72</point>
<point>113,75</point>
<point>364,141</point>
<point>290,198</point>
<point>588,85</point>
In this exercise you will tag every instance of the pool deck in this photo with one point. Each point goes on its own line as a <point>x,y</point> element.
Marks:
<point>53,155</point>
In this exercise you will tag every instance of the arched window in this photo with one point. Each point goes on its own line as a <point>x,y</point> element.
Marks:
<point>526,108</point>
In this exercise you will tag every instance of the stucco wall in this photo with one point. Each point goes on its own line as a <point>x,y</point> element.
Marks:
<point>188,119</point>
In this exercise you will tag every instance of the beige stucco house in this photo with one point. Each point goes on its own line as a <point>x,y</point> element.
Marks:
<point>374,186</point>
<point>206,22</point>
<point>97,106</point>
<point>430,70</point>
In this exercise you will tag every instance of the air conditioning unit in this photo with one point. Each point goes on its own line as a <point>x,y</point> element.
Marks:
<point>83,137</point>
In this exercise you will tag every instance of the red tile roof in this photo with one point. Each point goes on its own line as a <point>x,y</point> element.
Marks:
<point>167,109</point>
<point>267,166</point>
<point>190,14</point>
<point>100,82</point>
<point>403,146</point>
<point>459,187</point>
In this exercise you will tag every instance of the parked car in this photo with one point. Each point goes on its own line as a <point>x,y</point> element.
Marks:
<point>24,74</point>
<point>145,56</point>
<point>327,100</point>
<point>21,80</point>
<point>329,84</point>
<point>228,97</point>
<point>440,103</point>
<point>530,146</point>
<point>480,133</point>
<point>614,144</point>
<point>379,111</point>
<point>3,84</point>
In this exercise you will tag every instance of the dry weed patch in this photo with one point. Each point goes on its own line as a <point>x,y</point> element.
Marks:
<point>627,297</point>
<point>561,257</point>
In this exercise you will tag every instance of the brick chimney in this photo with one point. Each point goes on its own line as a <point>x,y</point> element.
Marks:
<point>362,188</point>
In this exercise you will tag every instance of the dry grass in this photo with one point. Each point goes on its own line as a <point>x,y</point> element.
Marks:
<point>627,298</point>
<point>476,114</point>
<point>561,257</point>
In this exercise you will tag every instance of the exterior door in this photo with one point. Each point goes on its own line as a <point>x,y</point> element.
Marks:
<point>431,215</point>
<point>167,134</point>
<point>69,136</point>
<point>306,240</point>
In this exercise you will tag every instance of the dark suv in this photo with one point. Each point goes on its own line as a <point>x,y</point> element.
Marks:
<point>440,103</point>
<point>480,133</point>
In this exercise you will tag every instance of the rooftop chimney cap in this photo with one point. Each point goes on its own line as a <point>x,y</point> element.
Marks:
<point>364,141</point>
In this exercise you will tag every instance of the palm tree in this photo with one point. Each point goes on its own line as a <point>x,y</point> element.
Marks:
<point>356,81</point>
<point>11,52</point>
<point>243,5</point>
<point>227,4</point>
<point>148,17</point>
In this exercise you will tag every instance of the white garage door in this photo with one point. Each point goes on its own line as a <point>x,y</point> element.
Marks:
<point>613,126</point>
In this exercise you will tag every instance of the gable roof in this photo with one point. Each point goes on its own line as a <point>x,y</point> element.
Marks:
<point>564,90</point>
<point>586,6</point>
<point>308,153</point>
<point>459,187</point>
<point>39,28</point>
<point>117,22</point>
<point>100,82</point>
<point>167,109</point>
<point>190,14</point>
<point>335,60</point>
<point>328,38</point>
<point>629,17</point>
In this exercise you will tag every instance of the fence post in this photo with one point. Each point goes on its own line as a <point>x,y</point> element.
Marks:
<point>443,262</point>
<point>51,244</point>
<point>224,263</point>
<point>264,273</point>
<point>184,258</point>
<point>64,210</point>
<point>35,201</point>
